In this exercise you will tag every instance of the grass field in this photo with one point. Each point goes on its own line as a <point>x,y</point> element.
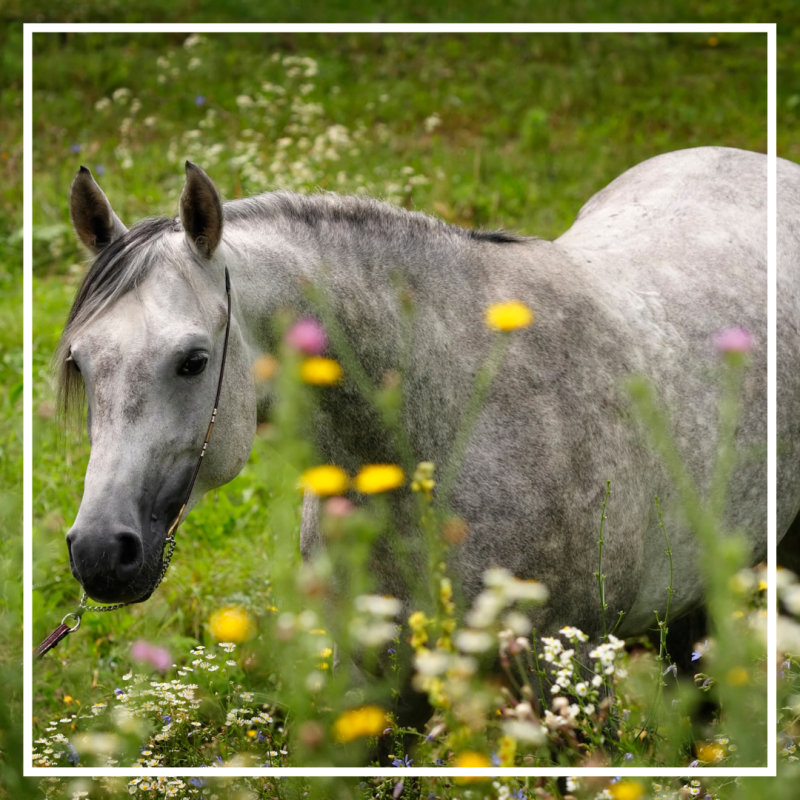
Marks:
<point>512,131</point>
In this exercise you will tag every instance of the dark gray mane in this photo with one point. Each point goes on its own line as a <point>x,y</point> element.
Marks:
<point>119,268</point>
<point>365,213</point>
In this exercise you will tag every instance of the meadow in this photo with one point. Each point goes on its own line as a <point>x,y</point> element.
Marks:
<point>513,132</point>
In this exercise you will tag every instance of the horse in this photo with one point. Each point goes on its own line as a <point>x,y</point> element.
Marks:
<point>655,265</point>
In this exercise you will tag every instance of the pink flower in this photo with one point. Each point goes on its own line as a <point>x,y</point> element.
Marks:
<point>308,336</point>
<point>150,654</point>
<point>734,340</point>
<point>338,507</point>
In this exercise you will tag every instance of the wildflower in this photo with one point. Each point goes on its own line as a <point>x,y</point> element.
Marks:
<point>523,731</point>
<point>232,624</point>
<point>508,316</point>
<point>150,654</point>
<point>737,676</point>
<point>472,760</point>
<point>308,336</point>
<point>470,641</point>
<point>264,367</point>
<point>378,605</point>
<point>574,633</point>
<point>402,762</point>
<point>200,100</point>
<point>734,340</point>
<point>324,480</point>
<point>321,371</point>
<point>673,668</point>
<point>627,790</point>
<point>359,722</point>
<point>75,148</point>
<point>376,478</point>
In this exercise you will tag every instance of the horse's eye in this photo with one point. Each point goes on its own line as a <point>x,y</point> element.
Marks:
<point>194,364</point>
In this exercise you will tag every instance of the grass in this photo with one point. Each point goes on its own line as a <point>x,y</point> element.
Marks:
<point>601,104</point>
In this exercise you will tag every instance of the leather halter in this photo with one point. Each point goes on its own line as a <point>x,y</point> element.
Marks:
<point>168,548</point>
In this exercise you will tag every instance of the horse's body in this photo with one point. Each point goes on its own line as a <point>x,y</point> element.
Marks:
<point>655,265</point>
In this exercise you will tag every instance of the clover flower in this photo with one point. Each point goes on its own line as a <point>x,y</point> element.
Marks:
<point>308,336</point>
<point>150,654</point>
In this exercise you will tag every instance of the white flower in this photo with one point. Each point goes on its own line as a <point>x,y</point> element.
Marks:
<point>431,662</point>
<point>581,689</point>
<point>518,623</point>
<point>525,731</point>
<point>378,605</point>
<point>488,604</point>
<point>471,641</point>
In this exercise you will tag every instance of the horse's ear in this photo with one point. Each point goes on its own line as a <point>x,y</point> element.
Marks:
<point>94,220</point>
<point>201,211</point>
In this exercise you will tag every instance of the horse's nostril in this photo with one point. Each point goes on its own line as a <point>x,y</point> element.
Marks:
<point>129,551</point>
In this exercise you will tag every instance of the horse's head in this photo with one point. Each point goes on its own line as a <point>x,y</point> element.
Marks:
<point>145,340</point>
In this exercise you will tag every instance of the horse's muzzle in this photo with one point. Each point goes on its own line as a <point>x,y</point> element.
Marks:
<point>111,567</point>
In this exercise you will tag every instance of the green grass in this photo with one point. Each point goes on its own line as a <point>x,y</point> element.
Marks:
<point>530,128</point>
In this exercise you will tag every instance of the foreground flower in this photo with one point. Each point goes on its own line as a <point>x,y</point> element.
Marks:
<point>308,336</point>
<point>360,722</point>
<point>471,760</point>
<point>508,316</point>
<point>375,478</point>
<point>734,340</point>
<point>325,480</point>
<point>627,790</point>
<point>150,654</point>
<point>231,624</point>
<point>321,371</point>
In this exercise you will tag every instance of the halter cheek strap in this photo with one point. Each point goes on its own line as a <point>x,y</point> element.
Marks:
<point>168,548</point>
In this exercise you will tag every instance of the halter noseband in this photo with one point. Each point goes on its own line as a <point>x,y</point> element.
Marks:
<point>168,548</point>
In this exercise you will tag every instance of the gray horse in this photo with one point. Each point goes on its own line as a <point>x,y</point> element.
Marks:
<point>655,265</point>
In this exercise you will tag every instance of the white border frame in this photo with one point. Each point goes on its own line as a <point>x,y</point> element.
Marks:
<point>29,29</point>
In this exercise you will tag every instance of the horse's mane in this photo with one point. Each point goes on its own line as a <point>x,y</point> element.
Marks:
<point>127,261</point>
<point>119,268</point>
<point>366,213</point>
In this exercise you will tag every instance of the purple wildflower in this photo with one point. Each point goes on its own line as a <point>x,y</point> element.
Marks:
<point>151,654</point>
<point>734,340</point>
<point>75,148</point>
<point>308,336</point>
<point>200,100</point>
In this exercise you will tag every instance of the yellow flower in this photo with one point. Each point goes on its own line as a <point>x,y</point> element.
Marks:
<point>507,750</point>
<point>468,760</point>
<point>737,676</point>
<point>375,478</point>
<point>324,480</point>
<point>627,790</point>
<point>710,752</point>
<point>232,624</point>
<point>321,371</point>
<point>508,316</point>
<point>360,722</point>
